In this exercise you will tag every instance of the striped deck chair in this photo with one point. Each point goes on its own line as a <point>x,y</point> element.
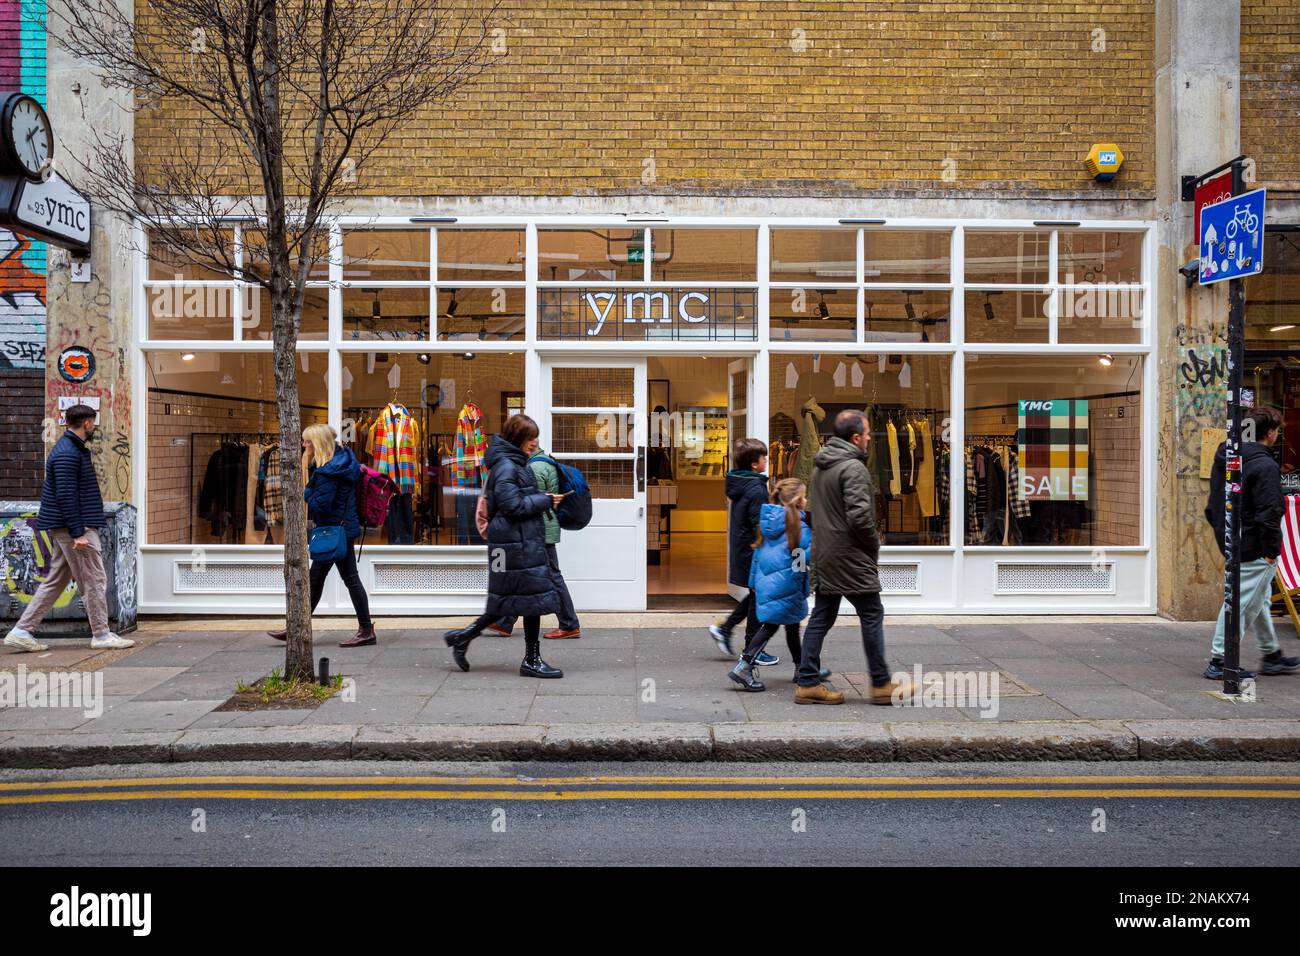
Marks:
<point>1288,562</point>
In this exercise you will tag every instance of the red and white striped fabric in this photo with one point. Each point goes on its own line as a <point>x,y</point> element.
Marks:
<point>1288,561</point>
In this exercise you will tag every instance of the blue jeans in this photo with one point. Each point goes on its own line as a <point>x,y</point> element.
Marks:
<point>1256,578</point>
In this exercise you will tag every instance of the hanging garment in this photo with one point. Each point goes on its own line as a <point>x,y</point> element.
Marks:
<point>855,375</point>
<point>809,442</point>
<point>253,522</point>
<point>841,375</point>
<point>222,495</point>
<point>1019,506</point>
<point>972,494</point>
<point>269,502</point>
<point>791,376</point>
<point>396,447</point>
<point>925,474</point>
<point>907,455</point>
<point>470,445</point>
<point>895,482</point>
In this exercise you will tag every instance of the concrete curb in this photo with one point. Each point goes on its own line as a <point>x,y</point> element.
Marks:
<point>813,741</point>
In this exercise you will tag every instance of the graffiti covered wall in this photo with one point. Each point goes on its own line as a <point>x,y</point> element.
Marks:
<point>22,277</point>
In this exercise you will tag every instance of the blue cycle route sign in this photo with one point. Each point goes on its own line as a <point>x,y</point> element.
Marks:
<point>1232,238</point>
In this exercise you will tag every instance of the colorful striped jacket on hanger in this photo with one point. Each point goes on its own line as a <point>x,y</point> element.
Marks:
<point>470,446</point>
<point>396,447</point>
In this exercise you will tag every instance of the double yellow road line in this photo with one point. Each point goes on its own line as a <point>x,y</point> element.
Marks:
<point>649,787</point>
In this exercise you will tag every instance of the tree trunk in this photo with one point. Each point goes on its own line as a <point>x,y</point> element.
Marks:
<point>285,309</point>
<point>298,657</point>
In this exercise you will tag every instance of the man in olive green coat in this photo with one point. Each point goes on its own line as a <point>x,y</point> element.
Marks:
<point>548,481</point>
<point>846,544</point>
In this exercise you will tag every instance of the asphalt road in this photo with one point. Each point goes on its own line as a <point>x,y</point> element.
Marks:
<point>502,814</point>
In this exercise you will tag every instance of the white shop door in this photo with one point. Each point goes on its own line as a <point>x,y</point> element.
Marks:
<point>593,417</point>
<point>740,386</point>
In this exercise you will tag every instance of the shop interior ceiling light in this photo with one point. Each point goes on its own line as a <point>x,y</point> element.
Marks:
<point>1281,328</point>
<point>187,357</point>
<point>1106,359</point>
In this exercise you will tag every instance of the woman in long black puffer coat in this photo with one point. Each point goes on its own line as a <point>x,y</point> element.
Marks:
<point>521,582</point>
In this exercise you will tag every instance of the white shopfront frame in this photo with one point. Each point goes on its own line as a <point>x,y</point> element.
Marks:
<point>447,579</point>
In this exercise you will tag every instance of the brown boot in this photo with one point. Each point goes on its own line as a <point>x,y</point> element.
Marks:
<point>364,635</point>
<point>817,694</point>
<point>886,694</point>
<point>560,634</point>
<point>498,629</point>
<point>279,635</point>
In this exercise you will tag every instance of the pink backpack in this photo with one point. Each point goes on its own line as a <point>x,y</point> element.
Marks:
<point>374,492</point>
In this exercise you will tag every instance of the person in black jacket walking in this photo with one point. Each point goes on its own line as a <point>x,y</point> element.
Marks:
<point>1261,540</point>
<point>521,582</point>
<point>72,512</point>
<point>746,488</point>
<point>331,496</point>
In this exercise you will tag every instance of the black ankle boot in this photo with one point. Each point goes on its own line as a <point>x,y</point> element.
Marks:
<point>533,665</point>
<point>458,640</point>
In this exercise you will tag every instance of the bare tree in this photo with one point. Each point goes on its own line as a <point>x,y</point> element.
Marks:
<point>274,108</point>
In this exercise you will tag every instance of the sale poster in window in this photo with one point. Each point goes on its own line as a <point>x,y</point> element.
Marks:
<point>1053,439</point>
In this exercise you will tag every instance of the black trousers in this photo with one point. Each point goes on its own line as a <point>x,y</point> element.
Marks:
<point>347,566</point>
<point>871,614</point>
<point>754,646</point>
<point>744,610</point>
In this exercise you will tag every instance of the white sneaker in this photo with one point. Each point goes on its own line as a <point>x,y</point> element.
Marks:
<point>110,642</point>
<point>23,641</point>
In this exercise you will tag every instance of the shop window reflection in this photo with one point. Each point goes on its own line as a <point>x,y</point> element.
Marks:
<point>424,419</point>
<point>1053,450</point>
<point>213,447</point>
<point>905,398</point>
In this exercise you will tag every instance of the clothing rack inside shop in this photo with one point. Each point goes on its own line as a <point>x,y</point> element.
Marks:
<point>243,438</point>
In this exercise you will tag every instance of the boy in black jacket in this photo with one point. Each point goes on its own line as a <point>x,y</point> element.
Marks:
<point>1261,539</point>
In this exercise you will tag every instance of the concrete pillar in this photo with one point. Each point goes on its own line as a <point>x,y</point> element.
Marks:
<point>1198,124</point>
<point>96,314</point>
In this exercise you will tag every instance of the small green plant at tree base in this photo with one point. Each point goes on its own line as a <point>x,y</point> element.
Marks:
<point>274,686</point>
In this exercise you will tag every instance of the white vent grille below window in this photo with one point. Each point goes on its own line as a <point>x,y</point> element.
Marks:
<point>430,578</point>
<point>1056,578</point>
<point>900,578</point>
<point>229,576</point>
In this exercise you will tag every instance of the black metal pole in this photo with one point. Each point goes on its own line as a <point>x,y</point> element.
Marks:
<point>1233,477</point>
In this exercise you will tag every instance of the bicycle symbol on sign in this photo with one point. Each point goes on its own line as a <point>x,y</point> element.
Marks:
<point>1241,215</point>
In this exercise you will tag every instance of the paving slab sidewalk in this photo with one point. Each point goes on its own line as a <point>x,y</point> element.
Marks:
<point>657,689</point>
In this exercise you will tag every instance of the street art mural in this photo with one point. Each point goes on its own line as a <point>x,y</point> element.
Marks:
<point>22,263</point>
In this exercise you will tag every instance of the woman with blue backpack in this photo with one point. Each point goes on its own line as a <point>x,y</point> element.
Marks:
<point>547,472</point>
<point>331,495</point>
<point>521,581</point>
<point>778,578</point>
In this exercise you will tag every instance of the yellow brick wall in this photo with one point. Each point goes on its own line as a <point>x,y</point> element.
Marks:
<point>1270,89</point>
<point>779,96</point>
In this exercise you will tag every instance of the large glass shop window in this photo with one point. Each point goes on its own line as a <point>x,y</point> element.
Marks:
<point>1053,450</point>
<point>905,398</point>
<point>692,308</point>
<point>424,419</point>
<point>213,455</point>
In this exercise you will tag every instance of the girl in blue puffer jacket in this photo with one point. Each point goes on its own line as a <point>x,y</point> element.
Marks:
<point>778,576</point>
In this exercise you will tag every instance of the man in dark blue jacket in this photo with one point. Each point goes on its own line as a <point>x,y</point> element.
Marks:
<point>72,512</point>
<point>1262,506</point>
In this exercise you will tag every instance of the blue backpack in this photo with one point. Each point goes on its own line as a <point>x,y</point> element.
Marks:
<point>575,511</point>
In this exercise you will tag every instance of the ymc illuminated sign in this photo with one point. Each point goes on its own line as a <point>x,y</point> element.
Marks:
<point>647,307</point>
<point>709,314</point>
